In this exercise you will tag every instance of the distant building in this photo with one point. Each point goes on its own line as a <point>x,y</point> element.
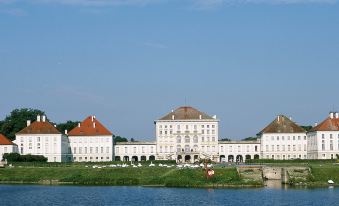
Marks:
<point>187,135</point>
<point>238,151</point>
<point>283,139</point>
<point>42,138</point>
<point>135,151</point>
<point>323,139</point>
<point>7,146</point>
<point>90,141</point>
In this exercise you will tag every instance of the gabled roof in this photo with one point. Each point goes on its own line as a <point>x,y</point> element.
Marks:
<point>40,127</point>
<point>282,124</point>
<point>5,141</point>
<point>329,124</point>
<point>186,113</point>
<point>90,127</point>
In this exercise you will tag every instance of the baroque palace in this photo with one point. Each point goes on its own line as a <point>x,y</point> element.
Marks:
<point>185,135</point>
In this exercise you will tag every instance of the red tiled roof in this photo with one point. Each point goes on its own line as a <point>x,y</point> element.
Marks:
<point>90,127</point>
<point>282,124</point>
<point>40,128</point>
<point>327,125</point>
<point>5,141</point>
<point>186,113</point>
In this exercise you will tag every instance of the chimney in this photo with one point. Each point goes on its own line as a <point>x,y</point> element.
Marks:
<point>38,118</point>
<point>331,115</point>
<point>93,124</point>
<point>43,118</point>
<point>172,117</point>
<point>316,124</point>
<point>200,116</point>
<point>214,116</point>
<point>337,115</point>
<point>55,125</point>
<point>28,122</point>
<point>278,118</point>
<point>79,124</point>
<point>66,132</point>
<point>172,110</point>
<point>291,118</point>
<point>92,118</point>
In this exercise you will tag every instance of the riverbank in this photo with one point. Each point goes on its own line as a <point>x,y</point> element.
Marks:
<point>225,177</point>
<point>154,176</point>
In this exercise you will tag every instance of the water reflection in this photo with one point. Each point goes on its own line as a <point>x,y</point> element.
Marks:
<point>274,184</point>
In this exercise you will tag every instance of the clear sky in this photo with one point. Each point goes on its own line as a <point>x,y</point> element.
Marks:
<point>130,62</point>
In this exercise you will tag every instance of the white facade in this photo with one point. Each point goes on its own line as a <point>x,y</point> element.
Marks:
<point>13,148</point>
<point>323,139</point>
<point>90,141</point>
<point>238,151</point>
<point>52,144</point>
<point>135,151</point>
<point>188,139</point>
<point>91,148</point>
<point>283,146</point>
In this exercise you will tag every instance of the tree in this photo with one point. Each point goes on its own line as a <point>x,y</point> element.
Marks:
<point>250,139</point>
<point>17,120</point>
<point>69,125</point>
<point>307,128</point>
<point>119,139</point>
<point>226,139</point>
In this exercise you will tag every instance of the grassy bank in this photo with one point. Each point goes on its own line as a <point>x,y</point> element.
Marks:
<point>321,173</point>
<point>155,176</point>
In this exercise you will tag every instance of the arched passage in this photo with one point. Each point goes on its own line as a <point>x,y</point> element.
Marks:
<point>256,156</point>
<point>143,158</point>
<point>230,158</point>
<point>126,158</point>
<point>239,158</point>
<point>196,158</point>
<point>187,158</point>
<point>134,158</point>
<point>222,158</point>
<point>152,157</point>
<point>248,157</point>
<point>117,158</point>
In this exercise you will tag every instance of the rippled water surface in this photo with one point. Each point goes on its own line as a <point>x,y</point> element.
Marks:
<point>83,195</point>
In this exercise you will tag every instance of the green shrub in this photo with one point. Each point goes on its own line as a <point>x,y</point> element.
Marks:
<point>15,157</point>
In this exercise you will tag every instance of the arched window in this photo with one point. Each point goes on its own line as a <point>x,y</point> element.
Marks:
<point>178,139</point>
<point>178,148</point>
<point>187,139</point>
<point>187,148</point>
<point>195,148</point>
<point>195,139</point>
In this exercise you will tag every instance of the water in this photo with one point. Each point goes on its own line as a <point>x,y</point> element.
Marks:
<point>83,195</point>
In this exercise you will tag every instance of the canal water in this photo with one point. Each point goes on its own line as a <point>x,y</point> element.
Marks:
<point>102,195</point>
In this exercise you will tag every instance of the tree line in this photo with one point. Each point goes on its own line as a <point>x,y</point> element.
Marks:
<point>17,120</point>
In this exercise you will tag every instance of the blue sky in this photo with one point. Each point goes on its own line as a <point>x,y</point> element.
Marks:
<point>130,62</point>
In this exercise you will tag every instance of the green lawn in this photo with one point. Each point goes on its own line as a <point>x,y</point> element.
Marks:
<point>155,176</point>
<point>321,173</point>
